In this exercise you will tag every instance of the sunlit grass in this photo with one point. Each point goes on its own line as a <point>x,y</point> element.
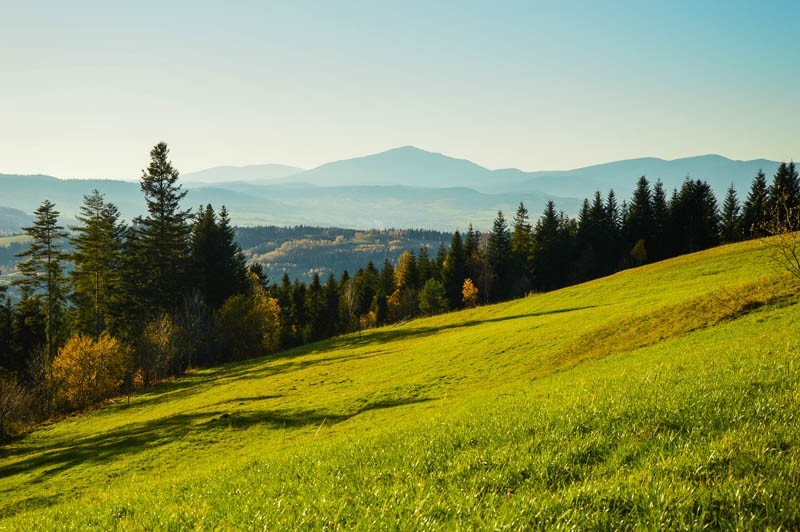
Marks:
<point>662,396</point>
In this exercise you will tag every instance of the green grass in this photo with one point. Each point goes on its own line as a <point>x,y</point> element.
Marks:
<point>666,396</point>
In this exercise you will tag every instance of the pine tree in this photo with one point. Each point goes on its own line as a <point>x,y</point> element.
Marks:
<point>730,223</point>
<point>639,221</point>
<point>522,251</point>
<point>754,211</point>
<point>97,257</point>
<point>42,275</point>
<point>454,271</point>
<point>161,240</point>
<point>218,265</point>
<point>784,194</point>
<point>500,258</point>
<point>548,260</point>
<point>658,248</point>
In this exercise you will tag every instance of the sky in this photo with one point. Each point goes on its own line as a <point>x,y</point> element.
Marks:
<point>88,87</point>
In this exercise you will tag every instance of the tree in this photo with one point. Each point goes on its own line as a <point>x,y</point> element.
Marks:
<point>730,222</point>
<point>97,257</point>
<point>218,263</point>
<point>454,271</point>
<point>432,298</point>
<point>785,189</point>
<point>42,274</point>
<point>500,257</point>
<point>754,211</point>
<point>694,218</point>
<point>247,324</point>
<point>522,251</point>
<point>639,221</point>
<point>161,239</point>
<point>469,293</point>
<point>89,370</point>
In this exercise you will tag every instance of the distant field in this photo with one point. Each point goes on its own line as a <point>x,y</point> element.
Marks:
<point>6,241</point>
<point>666,396</point>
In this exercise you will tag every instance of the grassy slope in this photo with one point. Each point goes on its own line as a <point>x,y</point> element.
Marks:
<point>648,397</point>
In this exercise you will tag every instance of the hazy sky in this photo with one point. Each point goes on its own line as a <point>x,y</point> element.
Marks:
<point>86,88</point>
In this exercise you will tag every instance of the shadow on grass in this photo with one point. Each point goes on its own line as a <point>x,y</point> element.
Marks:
<point>49,461</point>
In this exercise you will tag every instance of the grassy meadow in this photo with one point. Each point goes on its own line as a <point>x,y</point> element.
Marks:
<point>664,396</point>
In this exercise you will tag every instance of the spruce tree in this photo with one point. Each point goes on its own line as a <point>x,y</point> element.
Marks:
<point>500,258</point>
<point>730,223</point>
<point>754,211</point>
<point>161,243</point>
<point>522,251</point>
<point>454,271</point>
<point>97,257</point>
<point>42,275</point>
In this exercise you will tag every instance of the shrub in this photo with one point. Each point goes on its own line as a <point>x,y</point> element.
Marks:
<point>16,406</point>
<point>87,370</point>
<point>157,352</point>
<point>469,293</point>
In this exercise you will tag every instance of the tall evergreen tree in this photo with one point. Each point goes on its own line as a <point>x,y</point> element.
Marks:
<point>97,257</point>
<point>42,275</point>
<point>218,265</point>
<point>161,243</point>
<point>754,211</point>
<point>658,245</point>
<point>500,258</point>
<point>454,271</point>
<point>522,251</point>
<point>639,223</point>
<point>730,222</point>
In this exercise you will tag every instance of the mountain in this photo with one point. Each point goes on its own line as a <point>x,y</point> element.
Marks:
<point>13,220</point>
<point>403,187</point>
<point>225,174</point>
<point>410,166</point>
<point>275,203</point>
<point>719,171</point>
<point>407,166</point>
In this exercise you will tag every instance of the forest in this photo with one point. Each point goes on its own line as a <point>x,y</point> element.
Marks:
<point>173,290</point>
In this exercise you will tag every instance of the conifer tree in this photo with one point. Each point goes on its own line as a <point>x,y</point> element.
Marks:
<point>42,275</point>
<point>161,239</point>
<point>522,251</point>
<point>730,223</point>
<point>754,211</point>
<point>500,257</point>
<point>639,221</point>
<point>97,257</point>
<point>454,271</point>
<point>658,248</point>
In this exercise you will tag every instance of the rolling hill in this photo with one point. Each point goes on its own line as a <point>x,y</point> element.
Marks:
<point>403,187</point>
<point>660,397</point>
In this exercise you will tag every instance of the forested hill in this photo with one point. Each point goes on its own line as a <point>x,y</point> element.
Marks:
<point>302,251</point>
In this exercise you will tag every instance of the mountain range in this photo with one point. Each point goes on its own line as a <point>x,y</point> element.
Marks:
<point>402,187</point>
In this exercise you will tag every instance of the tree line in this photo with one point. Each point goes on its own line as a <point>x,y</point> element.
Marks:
<point>172,290</point>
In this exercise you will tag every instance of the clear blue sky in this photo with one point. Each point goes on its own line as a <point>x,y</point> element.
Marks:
<point>86,88</point>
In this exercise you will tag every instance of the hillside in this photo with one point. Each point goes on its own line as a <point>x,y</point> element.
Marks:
<point>665,396</point>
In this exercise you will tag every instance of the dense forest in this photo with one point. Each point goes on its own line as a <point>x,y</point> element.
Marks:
<point>174,290</point>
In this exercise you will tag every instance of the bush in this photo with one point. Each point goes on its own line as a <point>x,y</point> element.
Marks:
<point>86,370</point>
<point>157,352</point>
<point>16,406</point>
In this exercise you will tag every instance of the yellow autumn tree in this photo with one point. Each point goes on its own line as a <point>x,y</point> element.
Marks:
<point>247,325</point>
<point>469,293</point>
<point>87,370</point>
